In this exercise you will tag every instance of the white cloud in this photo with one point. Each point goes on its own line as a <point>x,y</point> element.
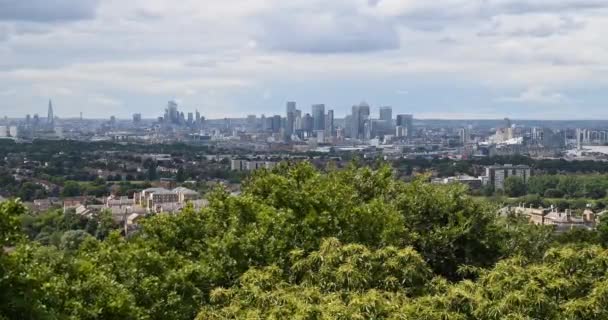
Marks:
<point>536,95</point>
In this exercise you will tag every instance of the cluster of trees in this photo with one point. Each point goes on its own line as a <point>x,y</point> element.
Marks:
<point>446,167</point>
<point>56,228</point>
<point>559,186</point>
<point>299,243</point>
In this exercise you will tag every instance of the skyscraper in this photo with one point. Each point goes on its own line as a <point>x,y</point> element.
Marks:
<point>190,118</point>
<point>318,116</point>
<point>386,113</point>
<point>50,118</point>
<point>290,119</point>
<point>137,118</point>
<point>405,122</point>
<point>329,123</point>
<point>307,123</point>
<point>276,124</point>
<point>171,114</point>
<point>360,115</point>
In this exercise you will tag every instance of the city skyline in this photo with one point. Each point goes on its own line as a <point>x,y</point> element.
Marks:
<point>462,59</point>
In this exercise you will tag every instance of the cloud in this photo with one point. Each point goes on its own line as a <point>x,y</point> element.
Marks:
<point>47,10</point>
<point>536,95</point>
<point>326,32</point>
<point>4,33</point>
<point>104,101</point>
<point>531,25</point>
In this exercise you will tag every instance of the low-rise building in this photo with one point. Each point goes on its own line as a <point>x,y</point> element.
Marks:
<point>562,221</point>
<point>472,182</point>
<point>185,194</point>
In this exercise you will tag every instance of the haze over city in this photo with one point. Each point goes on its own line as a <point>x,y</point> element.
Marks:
<point>446,59</point>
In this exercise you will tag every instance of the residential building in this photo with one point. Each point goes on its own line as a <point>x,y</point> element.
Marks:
<point>497,174</point>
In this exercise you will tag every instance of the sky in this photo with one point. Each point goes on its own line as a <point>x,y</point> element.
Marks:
<point>464,59</point>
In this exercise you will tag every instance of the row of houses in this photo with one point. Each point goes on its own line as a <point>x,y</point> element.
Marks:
<point>125,210</point>
<point>562,221</point>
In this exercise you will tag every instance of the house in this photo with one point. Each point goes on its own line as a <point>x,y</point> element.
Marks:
<point>185,194</point>
<point>151,197</point>
<point>562,221</point>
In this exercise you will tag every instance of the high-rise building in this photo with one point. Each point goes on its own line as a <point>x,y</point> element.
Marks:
<point>329,123</point>
<point>465,135</point>
<point>386,113</point>
<point>172,116</point>
<point>318,116</point>
<point>50,118</point>
<point>360,115</point>
<point>251,123</point>
<point>290,121</point>
<point>190,118</point>
<point>307,123</point>
<point>276,124</point>
<point>291,107</point>
<point>406,123</point>
<point>137,118</point>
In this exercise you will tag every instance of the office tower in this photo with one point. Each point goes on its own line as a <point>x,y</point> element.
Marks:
<point>354,123</point>
<point>290,121</point>
<point>190,118</point>
<point>318,117</point>
<point>380,128</point>
<point>197,117</point>
<point>28,120</point>
<point>360,115</point>
<point>291,107</point>
<point>137,118</point>
<point>50,118</point>
<point>406,123</point>
<point>298,120</point>
<point>329,123</point>
<point>36,120</point>
<point>386,114</point>
<point>251,123</point>
<point>171,114</point>
<point>307,123</point>
<point>276,124</point>
<point>465,135</point>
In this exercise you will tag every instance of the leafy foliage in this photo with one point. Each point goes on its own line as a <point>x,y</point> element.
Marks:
<point>299,243</point>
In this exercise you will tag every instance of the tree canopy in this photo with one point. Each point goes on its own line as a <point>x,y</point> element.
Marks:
<point>299,243</point>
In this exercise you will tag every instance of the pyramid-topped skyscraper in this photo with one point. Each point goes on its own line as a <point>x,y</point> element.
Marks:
<point>50,118</point>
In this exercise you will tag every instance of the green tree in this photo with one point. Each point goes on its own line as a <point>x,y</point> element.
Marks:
<point>181,175</point>
<point>515,186</point>
<point>71,189</point>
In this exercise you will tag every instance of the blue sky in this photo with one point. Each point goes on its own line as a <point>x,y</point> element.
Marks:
<point>541,59</point>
